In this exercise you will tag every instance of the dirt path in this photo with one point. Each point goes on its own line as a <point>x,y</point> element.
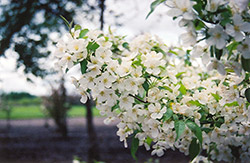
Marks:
<point>28,141</point>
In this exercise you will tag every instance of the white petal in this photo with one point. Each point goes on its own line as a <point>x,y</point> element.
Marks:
<point>188,16</point>
<point>151,108</point>
<point>205,58</point>
<point>84,99</point>
<point>230,29</point>
<point>220,43</point>
<point>210,66</point>
<point>160,152</point>
<point>210,41</point>
<point>154,133</point>
<point>238,36</point>
<point>246,55</point>
<point>245,27</point>
<point>174,12</point>
<point>221,68</point>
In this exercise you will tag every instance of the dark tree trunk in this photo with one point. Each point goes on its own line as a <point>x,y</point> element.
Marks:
<point>102,8</point>
<point>93,149</point>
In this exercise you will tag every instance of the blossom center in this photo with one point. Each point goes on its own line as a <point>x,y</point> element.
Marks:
<point>218,35</point>
<point>76,47</point>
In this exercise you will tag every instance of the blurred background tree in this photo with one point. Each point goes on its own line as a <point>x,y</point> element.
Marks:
<point>57,107</point>
<point>26,27</point>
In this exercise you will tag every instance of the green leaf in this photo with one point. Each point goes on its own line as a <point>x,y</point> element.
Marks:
<point>173,52</point>
<point>201,88</point>
<point>182,89</point>
<point>145,85</point>
<point>168,114</point>
<point>198,24</point>
<point>179,128</point>
<point>219,121</point>
<point>216,96</point>
<point>92,46</point>
<point>67,69</point>
<point>175,117</point>
<point>166,88</point>
<point>218,53</point>
<point>196,103</point>
<point>134,147</point>
<point>235,103</point>
<point>245,64</point>
<point>179,74</point>
<point>231,47</point>
<point>83,66</point>
<point>149,141</point>
<point>125,45</point>
<point>247,94</point>
<point>194,149</point>
<point>115,106</point>
<point>77,27</point>
<point>195,129</point>
<point>83,33</point>
<point>154,5</point>
<point>158,50</point>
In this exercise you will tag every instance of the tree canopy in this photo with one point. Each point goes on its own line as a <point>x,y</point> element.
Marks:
<point>26,25</point>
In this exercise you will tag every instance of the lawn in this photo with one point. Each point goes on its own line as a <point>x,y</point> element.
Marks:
<point>34,111</point>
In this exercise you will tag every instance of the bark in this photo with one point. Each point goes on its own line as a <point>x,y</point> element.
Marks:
<point>93,149</point>
<point>102,8</point>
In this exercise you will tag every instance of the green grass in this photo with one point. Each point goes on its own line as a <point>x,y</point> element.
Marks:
<point>34,111</point>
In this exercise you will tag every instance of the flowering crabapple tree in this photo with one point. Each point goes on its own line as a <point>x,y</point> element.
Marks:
<point>162,96</point>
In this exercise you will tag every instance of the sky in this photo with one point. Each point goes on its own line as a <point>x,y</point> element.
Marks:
<point>133,21</point>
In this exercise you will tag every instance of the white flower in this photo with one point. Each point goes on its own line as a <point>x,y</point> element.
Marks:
<point>239,5</point>
<point>239,26</point>
<point>109,120</point>
<point>112,66</point>
<point>103,54</point>
<point>217,37</point>
<point>155,94</point>
<point>103,42</point>
<point>236,66</point>
<point>100,95</point>
<point>77,46</point>
<point>152,61</point>
<point>156,110</point>
<point>80,56</point>
<point>84,95</point>
<point>87,81</point>
<point>66,61</point>
<point>188,38</point>
<point>61,48</point>
<point>104,81</point>
<point>124,69</point>
<point>132,84</point>
<point>215,64</point>
<point>212,5</point>
<point>244,48</point>
<point>158,151</point>
<point>182,8</point>
<point>126,102</point>
<point>137,72</point>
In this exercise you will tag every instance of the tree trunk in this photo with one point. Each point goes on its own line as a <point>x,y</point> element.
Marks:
<point>102,8</point>
<point>93,149</point>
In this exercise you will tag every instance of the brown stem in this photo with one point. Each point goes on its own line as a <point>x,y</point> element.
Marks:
<point>137,98</point>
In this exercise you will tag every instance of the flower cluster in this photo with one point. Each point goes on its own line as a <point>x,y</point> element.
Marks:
<point>222,25</point>
<point>159,99</point>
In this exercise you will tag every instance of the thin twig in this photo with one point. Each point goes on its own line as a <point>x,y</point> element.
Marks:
<point>137,98</point>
